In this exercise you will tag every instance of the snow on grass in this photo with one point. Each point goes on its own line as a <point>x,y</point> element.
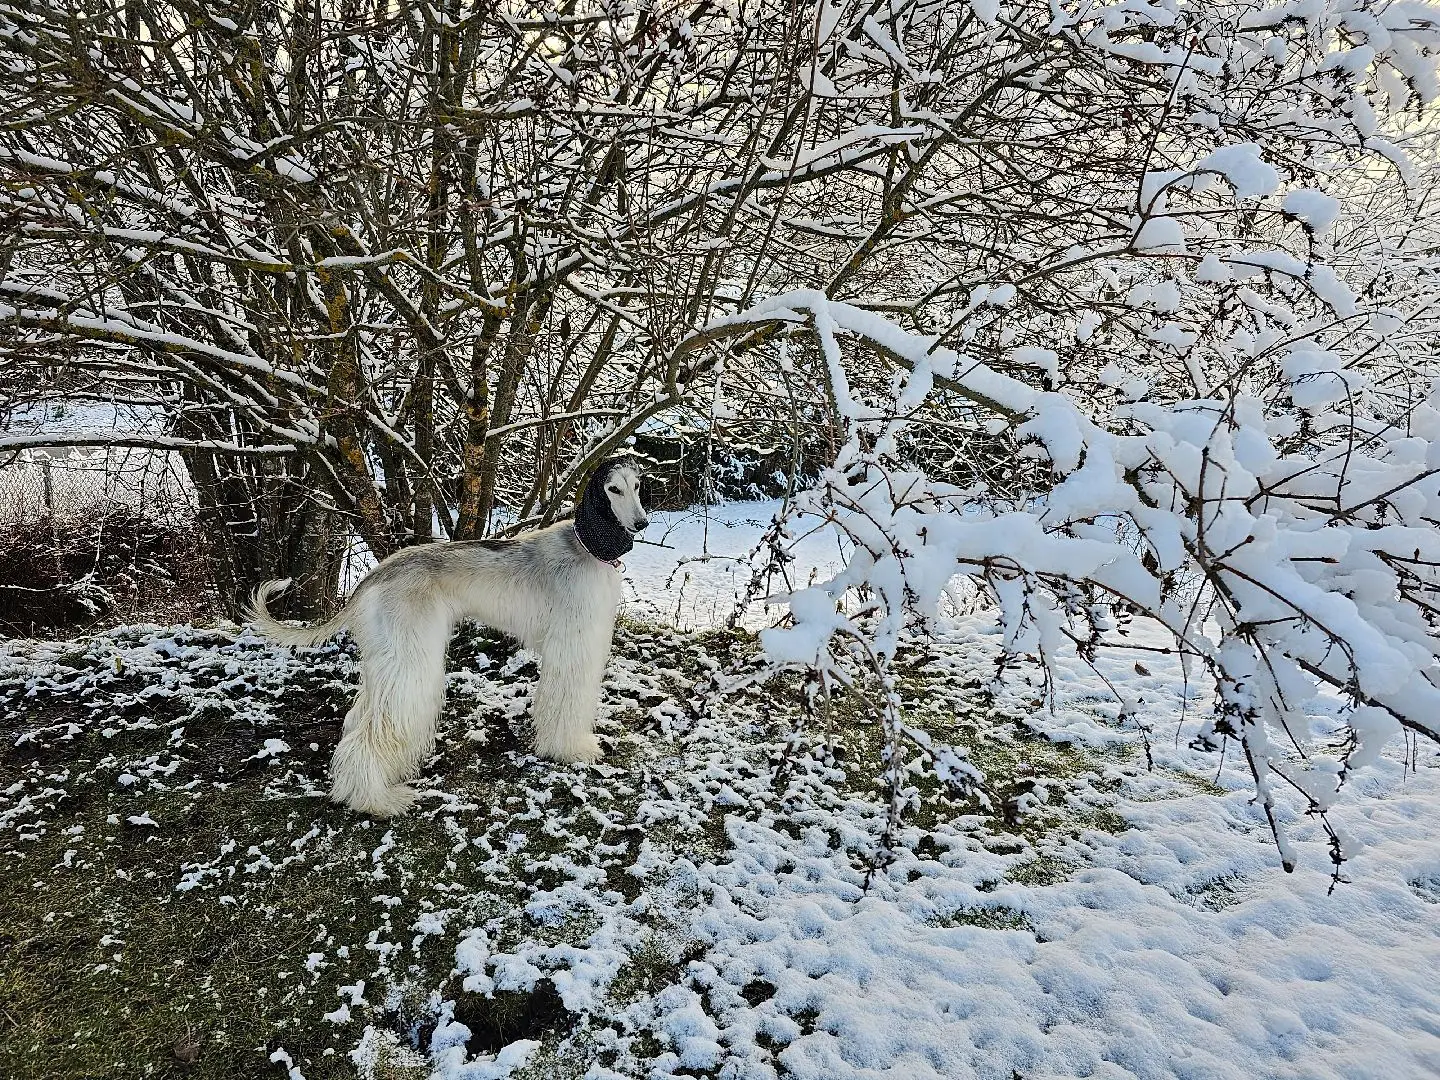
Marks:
<point>697,903</point>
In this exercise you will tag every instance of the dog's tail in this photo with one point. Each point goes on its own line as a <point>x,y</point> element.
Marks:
<point>289,635</point>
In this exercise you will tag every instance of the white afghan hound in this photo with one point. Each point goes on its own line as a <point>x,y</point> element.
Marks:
<point>555,589</point>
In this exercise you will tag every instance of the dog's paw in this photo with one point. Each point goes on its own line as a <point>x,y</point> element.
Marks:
<point>584,750</point>
<point>588,751</point>
<point>388,802</point>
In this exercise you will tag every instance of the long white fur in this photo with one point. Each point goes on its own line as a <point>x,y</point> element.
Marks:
<point>542,587</point>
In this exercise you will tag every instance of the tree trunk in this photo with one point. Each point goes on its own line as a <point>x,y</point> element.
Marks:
<point>259,527</point>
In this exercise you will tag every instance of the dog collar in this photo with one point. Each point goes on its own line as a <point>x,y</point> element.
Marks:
<point>616,563</point>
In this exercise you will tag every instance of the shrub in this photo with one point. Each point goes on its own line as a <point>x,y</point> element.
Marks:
<point>111,563</point>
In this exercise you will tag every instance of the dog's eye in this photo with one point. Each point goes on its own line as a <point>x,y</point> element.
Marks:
<point>614,490</point>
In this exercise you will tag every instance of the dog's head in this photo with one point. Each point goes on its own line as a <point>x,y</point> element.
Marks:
<point>619,484</point>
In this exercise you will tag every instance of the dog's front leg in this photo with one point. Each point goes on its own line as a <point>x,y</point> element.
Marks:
<point>572,667</point>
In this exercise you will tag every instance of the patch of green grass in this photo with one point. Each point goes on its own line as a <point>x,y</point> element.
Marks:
<point>114,976</point>
<point>1014,758</point>
<point>987,918</point>
<point>1201,785</point>
<point>1040,871</point>
<point>1103,819</point>
<point>658,961</point>
<point>1219,894</point>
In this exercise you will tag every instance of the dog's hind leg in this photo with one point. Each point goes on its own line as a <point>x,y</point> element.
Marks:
<point>391,727</point>
<point>572,667</point>
<point>360,775</point>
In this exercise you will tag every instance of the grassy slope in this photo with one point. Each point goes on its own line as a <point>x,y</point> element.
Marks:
<point>197,945</point>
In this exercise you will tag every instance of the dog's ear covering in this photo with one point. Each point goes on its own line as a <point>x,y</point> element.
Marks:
<point>595,522</point>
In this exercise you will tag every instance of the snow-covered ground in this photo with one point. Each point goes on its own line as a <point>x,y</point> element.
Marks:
<point>685,908</point>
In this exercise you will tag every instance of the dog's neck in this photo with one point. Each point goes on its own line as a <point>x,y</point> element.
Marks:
<point>595,525</point>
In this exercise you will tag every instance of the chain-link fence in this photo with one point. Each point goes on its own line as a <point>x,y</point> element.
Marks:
<point>69,484</point>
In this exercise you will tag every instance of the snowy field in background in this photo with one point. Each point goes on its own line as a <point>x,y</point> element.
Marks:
<point>692,565</point>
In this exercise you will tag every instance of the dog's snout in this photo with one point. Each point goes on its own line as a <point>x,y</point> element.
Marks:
<point>641,523</point>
